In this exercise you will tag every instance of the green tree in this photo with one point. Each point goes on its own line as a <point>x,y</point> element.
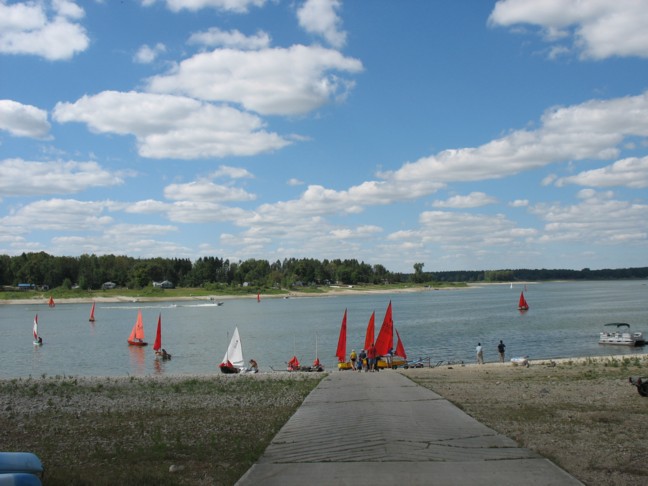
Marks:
<point>419,277</point>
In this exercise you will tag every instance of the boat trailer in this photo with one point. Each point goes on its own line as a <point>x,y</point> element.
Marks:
<point>641,384</point>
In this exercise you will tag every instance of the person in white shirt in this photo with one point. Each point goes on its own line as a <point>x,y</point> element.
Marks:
<point>480,354</point>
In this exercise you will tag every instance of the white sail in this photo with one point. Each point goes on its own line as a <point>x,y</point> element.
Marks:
<point>234,352</point>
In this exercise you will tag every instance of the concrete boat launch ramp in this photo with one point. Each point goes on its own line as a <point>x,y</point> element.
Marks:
<point>382,428</point>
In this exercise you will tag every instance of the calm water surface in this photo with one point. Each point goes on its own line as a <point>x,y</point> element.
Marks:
<point>563,321</point>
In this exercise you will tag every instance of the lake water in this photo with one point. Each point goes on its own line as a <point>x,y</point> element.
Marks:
<point>563,321</point>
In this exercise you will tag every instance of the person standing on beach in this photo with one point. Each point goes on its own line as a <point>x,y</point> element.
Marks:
<point>353,357</point>
<point>500,349</point>
<point>480,353</point>
<point>371,357</point>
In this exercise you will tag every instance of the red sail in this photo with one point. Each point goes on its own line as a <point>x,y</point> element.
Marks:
<point>369,337</point>
<point>51,302</point>
<point>341,347</point>
<point>522,305</point>
<point>400,349</point>
<point>293,364</point>
<point>385,340</point>
<point>92,317</point>
<point>138,328</point>
<point>158,336</point>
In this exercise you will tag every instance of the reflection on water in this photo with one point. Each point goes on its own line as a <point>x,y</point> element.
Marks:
<point>137,358</point>
<point>564,320</point>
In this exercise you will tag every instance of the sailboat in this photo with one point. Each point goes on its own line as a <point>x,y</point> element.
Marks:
<point>92,317</point>
<point>157,345</point>
<point>522,304</point>
<point>385,344</point>
<point>317,366</point>
<point>136,337</point>
<point>233,360</point>
<point>293,364</point>
<point>343,364</point>
<point>51,302</point>
<point>38,341</point>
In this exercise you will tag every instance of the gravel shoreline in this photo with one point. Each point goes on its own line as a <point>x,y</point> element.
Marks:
<point>580,413</point>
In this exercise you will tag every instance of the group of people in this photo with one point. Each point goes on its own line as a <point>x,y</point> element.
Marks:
<point>367,360</point>
<point>501,348</point>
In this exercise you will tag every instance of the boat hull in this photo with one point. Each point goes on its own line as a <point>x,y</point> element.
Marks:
<point>229,370</point>
<point>621,341</point>
<point>137,343</point>
<point>395,362</point>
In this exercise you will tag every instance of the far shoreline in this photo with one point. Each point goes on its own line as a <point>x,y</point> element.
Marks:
<point>334,292</point>
<point>329,292</point>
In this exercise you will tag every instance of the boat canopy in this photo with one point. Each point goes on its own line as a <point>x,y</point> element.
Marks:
<point>618,324</point>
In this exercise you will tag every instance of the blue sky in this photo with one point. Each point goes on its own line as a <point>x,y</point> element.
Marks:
<point>462,134</point>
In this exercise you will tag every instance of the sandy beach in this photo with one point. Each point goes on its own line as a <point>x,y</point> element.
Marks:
<point>41,298</point>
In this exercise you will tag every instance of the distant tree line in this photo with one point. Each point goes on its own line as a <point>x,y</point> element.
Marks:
<point>91,271</point>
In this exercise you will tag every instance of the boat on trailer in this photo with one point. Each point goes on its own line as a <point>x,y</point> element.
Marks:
<point>622,335</point>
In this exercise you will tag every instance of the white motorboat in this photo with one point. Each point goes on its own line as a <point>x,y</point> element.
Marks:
<point>622,335</point>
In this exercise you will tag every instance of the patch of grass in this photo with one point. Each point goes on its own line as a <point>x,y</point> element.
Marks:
<point>129,432</point>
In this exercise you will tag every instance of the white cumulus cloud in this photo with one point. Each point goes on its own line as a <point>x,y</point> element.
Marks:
<point>23,120</point>
<point>320,17</point>
<point>631,172</point>
<point>167,126</point>
<point>273,81</point>
<point>215,37</point>
<point>27,178</point>
<point>597,28</point>
<point>472,200</point>
<point>48,29</point>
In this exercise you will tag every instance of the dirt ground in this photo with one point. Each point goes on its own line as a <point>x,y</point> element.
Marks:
<point>583,414</point>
